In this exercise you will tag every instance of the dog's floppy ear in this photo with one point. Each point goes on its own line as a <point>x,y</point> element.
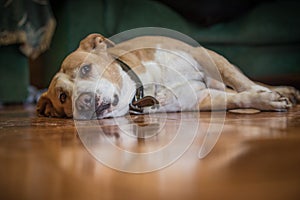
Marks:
<point>95,41</point>
<point>44,106</point>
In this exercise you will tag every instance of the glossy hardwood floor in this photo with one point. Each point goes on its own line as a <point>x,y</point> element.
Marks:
<point>256,156</point>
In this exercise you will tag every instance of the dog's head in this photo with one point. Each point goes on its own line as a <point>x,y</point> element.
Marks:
<point>88,84</point>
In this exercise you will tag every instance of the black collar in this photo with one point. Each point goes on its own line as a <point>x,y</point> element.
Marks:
<point>139,101</point>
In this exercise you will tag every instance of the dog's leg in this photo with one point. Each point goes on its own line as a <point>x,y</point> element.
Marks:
<point>215,64</point>
<point>210,99</point>
<point>238,81</point>
<point>230,75</point>
<point>234,78</point>
<point>290,92</point>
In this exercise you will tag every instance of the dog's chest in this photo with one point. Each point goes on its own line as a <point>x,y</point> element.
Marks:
<point>174,78</point>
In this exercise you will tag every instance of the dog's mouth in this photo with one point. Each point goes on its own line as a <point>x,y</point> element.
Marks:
<point>92,106</point>
<point>101,107</point>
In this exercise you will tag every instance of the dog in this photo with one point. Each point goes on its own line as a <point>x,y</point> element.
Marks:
<point>101,79</point>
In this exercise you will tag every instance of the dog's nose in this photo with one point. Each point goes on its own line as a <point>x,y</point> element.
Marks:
<point>85,102</point>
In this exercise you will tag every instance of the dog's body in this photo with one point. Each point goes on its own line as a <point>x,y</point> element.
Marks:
<point>179,76</point>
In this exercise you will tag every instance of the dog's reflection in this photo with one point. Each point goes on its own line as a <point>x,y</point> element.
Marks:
<point>136,126</point>
<point>133,133</point>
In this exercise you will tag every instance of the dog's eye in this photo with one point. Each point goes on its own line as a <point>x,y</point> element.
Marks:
<point>63,97</point>
<point>85,70</point>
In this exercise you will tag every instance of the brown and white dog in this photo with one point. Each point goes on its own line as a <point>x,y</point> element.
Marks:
<point>92,82</point>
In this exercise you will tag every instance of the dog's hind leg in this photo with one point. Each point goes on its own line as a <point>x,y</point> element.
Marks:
<point>234,78</point>
<point>221,69</point>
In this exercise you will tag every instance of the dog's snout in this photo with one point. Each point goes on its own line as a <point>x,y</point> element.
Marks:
<point>85,102</point>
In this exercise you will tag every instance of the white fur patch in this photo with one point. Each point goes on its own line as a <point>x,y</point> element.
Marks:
<point>175,79</point>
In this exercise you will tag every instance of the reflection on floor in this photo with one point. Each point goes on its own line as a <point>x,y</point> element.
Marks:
<point>160,156</point>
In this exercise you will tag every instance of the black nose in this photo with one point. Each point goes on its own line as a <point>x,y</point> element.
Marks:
<point>85,102</point>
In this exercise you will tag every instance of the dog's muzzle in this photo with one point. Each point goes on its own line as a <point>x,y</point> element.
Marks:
<point>89,104</point>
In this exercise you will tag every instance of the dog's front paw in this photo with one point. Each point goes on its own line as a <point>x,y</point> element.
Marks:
<point>279,102</point>
<point>266,100</point>
<point>290,92</point>
<point>274,101</point>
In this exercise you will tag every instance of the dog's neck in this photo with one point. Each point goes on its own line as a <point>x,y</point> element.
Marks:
<point>139,101</point>
<point>139,93</point>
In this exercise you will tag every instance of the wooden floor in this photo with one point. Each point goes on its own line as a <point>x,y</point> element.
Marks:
<point>256,157</point>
